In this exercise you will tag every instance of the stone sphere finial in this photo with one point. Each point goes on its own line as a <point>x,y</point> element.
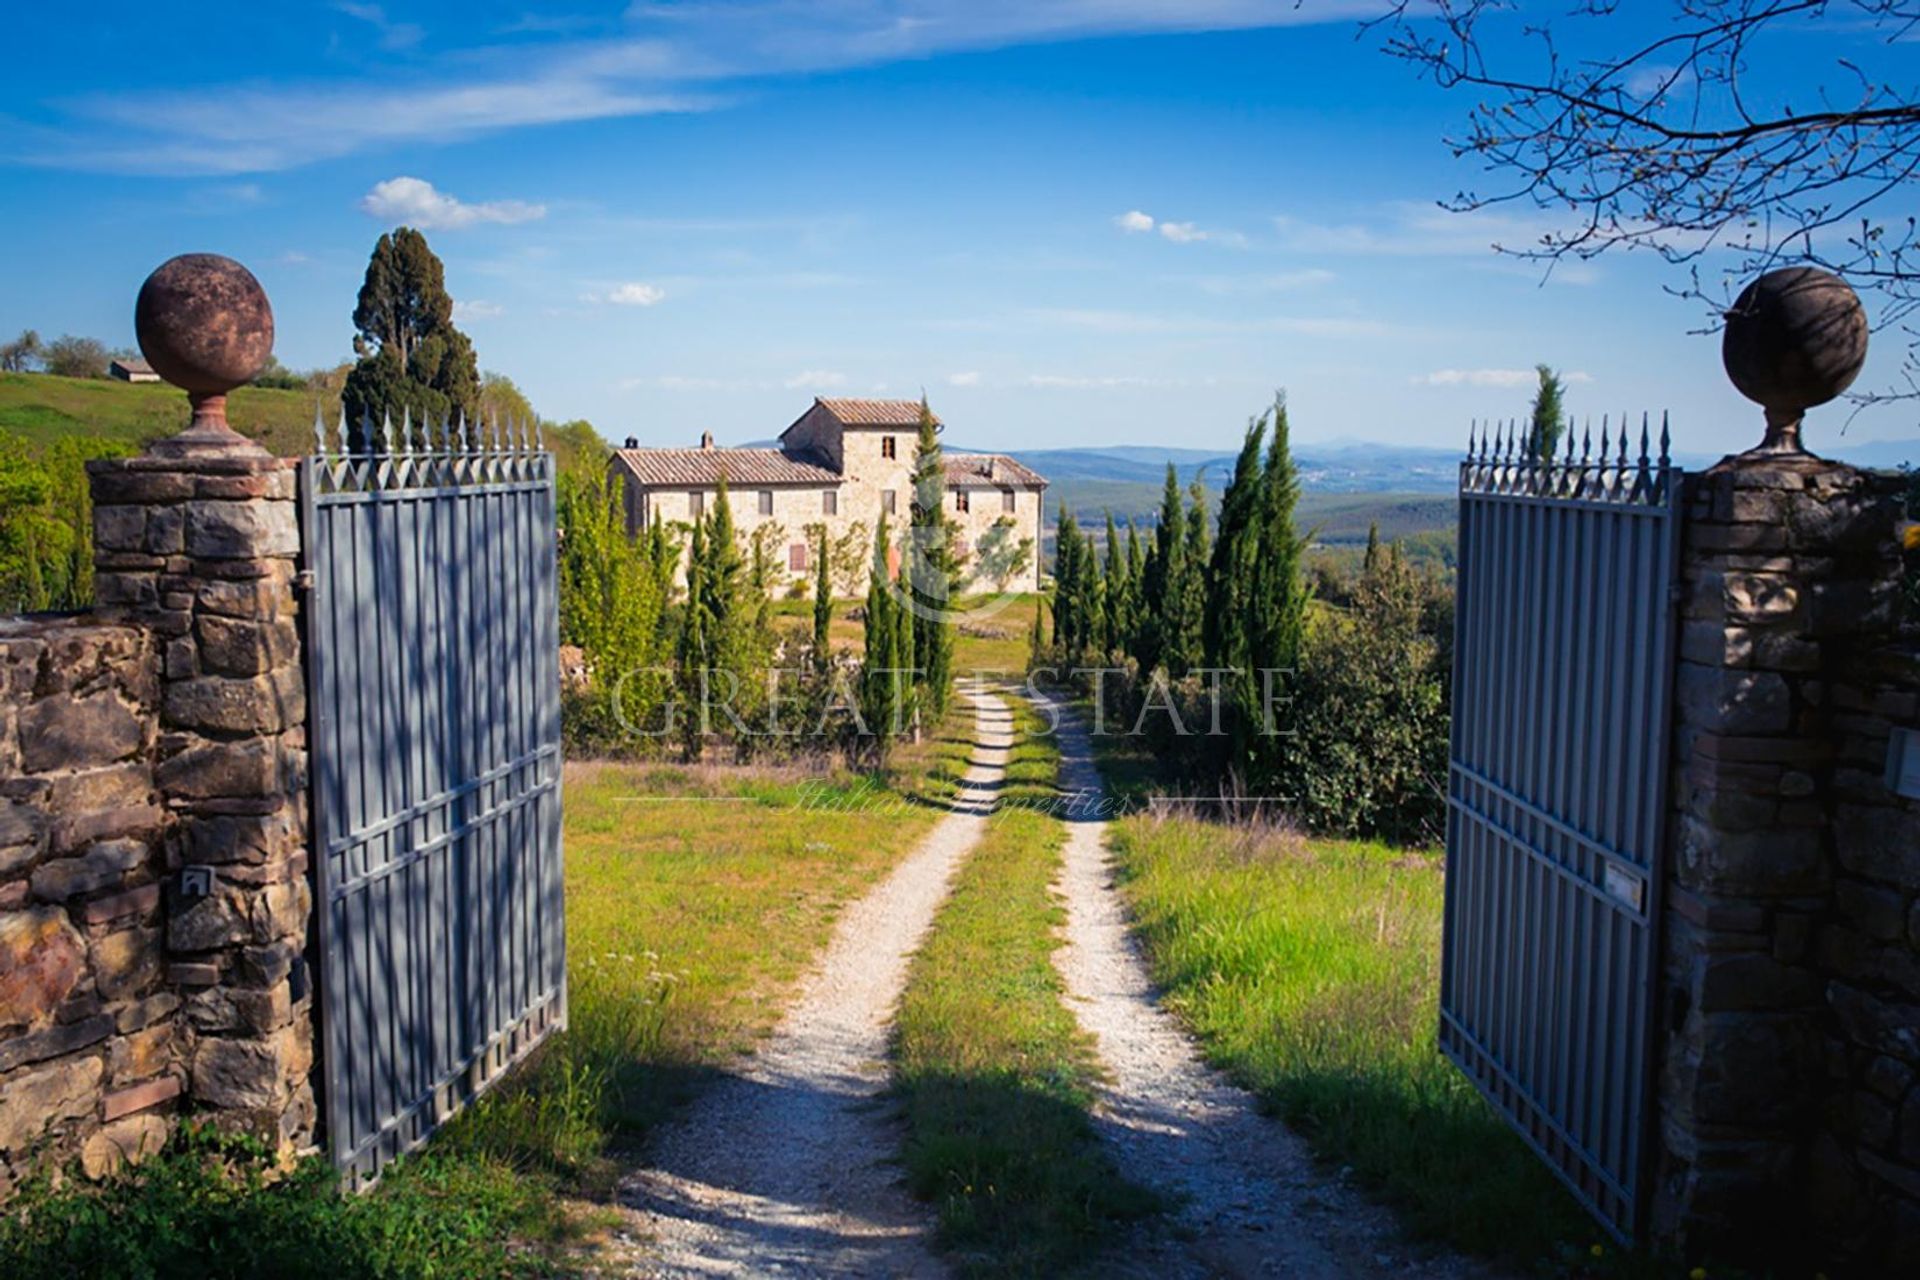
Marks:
<point>205,325</point>
<point>1795,338</point>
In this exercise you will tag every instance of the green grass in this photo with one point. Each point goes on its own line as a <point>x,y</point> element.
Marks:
<point>1309,969</point>
<point>993,1072</point>
<point>695,898</point>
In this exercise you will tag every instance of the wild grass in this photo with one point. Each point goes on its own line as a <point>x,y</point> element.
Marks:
<point>695,898</point>
<point>993,1072</point>
<point>1309,969</point>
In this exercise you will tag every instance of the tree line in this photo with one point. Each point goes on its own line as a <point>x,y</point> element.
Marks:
<point>1206,639</point>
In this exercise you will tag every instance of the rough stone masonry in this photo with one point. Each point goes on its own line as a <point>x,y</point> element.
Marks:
<point>164,730</point>
<point>1790,1086</point>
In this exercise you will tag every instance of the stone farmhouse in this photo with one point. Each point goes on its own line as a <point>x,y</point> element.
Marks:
<point>844,463</point>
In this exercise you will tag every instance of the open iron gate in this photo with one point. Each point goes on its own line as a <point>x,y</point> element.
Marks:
<point>1557,800</point>
<point>433,670</point>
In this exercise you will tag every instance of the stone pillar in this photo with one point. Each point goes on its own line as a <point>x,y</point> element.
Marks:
<point>199,545</point>
<point>1790,579</point>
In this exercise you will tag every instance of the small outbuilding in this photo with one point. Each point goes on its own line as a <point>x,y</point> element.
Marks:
<point>133,369</point>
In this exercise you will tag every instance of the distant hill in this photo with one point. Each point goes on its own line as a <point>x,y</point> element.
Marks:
<point>40,408</point>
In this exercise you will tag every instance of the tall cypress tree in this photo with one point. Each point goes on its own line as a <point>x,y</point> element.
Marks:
<point>1136,573</point>
<point>930,567</point>
<point>1225,625</point>
<point>1160,601</point>
<point>1068,635</point>
<point>879,686</point>
<point>1280,594</point>
<point>822,607</point>
<point>1113,592</point>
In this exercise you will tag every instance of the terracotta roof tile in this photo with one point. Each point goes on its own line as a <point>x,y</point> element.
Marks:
<point>875,413</point>
<point>701,467</point>
<point>990,470</point>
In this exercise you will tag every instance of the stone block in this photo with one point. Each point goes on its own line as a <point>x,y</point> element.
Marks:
<point>139,1097</point>
<point>104,865</point>
<point>54,1041</point>
<point>193,974</point>
<point>1778,863</point>
<point>241,529</point>
<point>244,647</point>
<point>1878,912</point>
<point>280,911</point>
<point>1755,1069</point>
<point>249,839</point>
<point>266,965</point>
<point>113,787</point>
<point>20,824</point>
<point>113,1147</point>
<point>18,859</point>
<point>1732,701</point>
<point>260,598</point>
<point>126,590</point>
<point>257,704</point>
<point>142,1013</point>
<point>42,959</point>
<point>141,1055</point>
<point>134,902</point>
<point>183,659</point>
<point>74,830</point>
<point>240,1074</point>
<point>128,961</point>
<point>1879,842</point>
<point>1891,1027</point>
<point>113,482</point>
<point>217,920</point>
<point>1750,980</point>
<point>257,1010</point>
<point>249,768</point>
<point>36,1101</point>
<point>120,528</point>
<point>166,531</point>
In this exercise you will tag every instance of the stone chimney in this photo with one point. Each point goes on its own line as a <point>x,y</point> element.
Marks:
<point>706,439</point>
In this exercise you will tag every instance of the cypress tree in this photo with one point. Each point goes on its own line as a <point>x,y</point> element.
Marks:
<point>822,608</point>
<point>1136,572</point>
<point>1224,626</point>
<point>1067,623</point>
<point>930,567</point>
<point>1160,602</point>
<point>412,358</point>
<point>878,686</point>
<point>1282,597</point>
<point>1113,592</point>
<point>1372,559</point>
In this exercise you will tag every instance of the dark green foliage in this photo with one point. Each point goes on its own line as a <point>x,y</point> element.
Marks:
<point>930,567</point>
<point>204,1210</point>
<point>1549,414</point>
<point>1369,714</point>
<point>883,683</point>
<point>1279,619</point>
<point>611,597</point>
<point>412,358</point>
<point>46,523</point>
<point>822,605</point>
<point>1077,616</point>
<point>1113,593</point>
<point>70,357</point>
<point>1135,611</point>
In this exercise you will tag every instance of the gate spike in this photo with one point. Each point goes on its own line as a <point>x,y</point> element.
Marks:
<point>1666,440</point>
<point>493,425</point>
<point>406,429</point>
<point>539,436</point>
<point>1645,444</point>
<point>369,434</point>
<point>1606,446</point>
<point>319,430</point>
<point>463,430</point>
<point>1586,441</point>
<point>386,429</point>
<point>1623,440</point>
<point>1568,455</point>
<point>345,441</point>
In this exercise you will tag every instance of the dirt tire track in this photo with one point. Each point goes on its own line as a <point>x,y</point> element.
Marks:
<point>784,1168</point>
<point>1250,1200</point>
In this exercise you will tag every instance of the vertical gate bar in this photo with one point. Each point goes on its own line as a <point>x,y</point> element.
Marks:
<point>320,717</point>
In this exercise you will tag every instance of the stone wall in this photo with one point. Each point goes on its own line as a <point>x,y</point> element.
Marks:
<point>154,898</point>
<point>91,1061</point>
<point>1791,974</point>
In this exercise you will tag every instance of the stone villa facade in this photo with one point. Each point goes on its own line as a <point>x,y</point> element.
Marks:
<point>846,464</point>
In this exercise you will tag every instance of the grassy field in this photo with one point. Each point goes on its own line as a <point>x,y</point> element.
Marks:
<point>1310,971</point>
<point>695,898</point>
<point>41,408</point>
<point>994,1074</point>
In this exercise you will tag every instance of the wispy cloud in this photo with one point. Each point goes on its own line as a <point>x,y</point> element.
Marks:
<point>670,58</point>
<point>477,309</point>
<point>1097,320</point>
<point>632,293</point>
<point>1135,222</point>
<point>968,379</point>
<point>1269,282</point>
<point>393,35</point>
<point>1491,378</point>
<point>416,202</point>
<point>1078,382</point>
<point>815,380</point>
<point>1408,229</point>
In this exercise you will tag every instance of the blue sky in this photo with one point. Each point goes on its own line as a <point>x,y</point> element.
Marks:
<point>1071,222</point>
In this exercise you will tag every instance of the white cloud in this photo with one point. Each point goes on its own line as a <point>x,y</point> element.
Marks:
<point>393,35</point>
<point>416,202</point>
<point>477,309</point>
<point>1657,81</point>
<point>1133,220</point>
<point>1273,282</point>
<point>968,379</point>
<point>634,293</point>
<point>677,58</point>
<point>815,380</point>
<point>1491,378</point>
<point>1071,382</point>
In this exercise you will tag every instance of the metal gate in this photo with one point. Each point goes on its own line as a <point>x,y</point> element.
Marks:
<point>433,670</point>
<point>1557,799</point>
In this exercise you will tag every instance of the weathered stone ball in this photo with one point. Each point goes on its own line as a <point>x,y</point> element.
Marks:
<point>204,323</point>
<point>1795,338</point>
